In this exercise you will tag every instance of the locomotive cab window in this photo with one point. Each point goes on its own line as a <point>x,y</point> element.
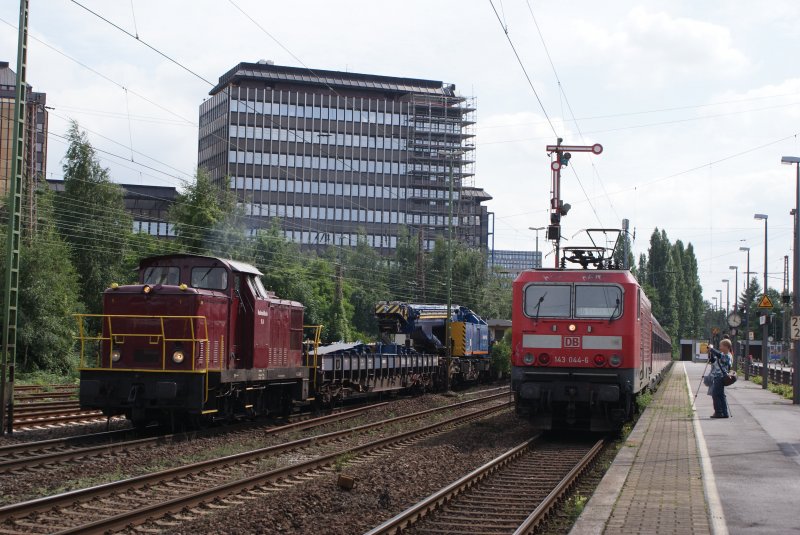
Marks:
<point>598,301</point>
<point>209,278</point>
<point>162,275</point>
<point>547,300</point>
<point>254,282</point>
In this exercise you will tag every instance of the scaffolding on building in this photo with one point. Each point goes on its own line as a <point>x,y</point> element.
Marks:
<point>440,150</point>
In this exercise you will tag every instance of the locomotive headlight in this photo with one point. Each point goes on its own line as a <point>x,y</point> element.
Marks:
<point>183,286</point>
<point>147,289</point>
<point>528,358</point>
<point>178,356</point>
<point>116,354</point>
<point>615,360</point>
<point>572,327</point>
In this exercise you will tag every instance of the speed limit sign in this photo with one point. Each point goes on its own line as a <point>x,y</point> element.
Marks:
<point>795,327</point>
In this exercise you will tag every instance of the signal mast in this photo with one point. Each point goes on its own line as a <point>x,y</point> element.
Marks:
<point>561,155</point>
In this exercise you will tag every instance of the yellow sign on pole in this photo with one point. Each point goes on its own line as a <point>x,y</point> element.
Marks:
<point>765,302</point>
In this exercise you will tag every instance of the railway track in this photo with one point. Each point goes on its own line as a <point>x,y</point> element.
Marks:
<point>130,502</point>
<point>47,452</point>
<point>528,481</point>
<point>31,417</point>
<point>39,453</point>
<point>44,389</point>
<point>36,406</point>
<point>38,396</point>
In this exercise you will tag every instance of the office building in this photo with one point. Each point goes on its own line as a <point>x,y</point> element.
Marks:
<point>338,154</point>
<point>511,263</point>
<point>148,206</point>
<point>34,165</point>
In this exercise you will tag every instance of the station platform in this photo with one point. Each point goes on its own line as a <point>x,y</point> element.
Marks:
<point>682,472</point>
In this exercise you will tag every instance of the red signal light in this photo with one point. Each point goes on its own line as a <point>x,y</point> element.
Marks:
<point>599,360</point>
<point>544,359</point>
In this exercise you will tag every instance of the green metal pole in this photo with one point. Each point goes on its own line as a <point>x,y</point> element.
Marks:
<point>12,236</point>
<point>765,329</point>
<point>448,320</point>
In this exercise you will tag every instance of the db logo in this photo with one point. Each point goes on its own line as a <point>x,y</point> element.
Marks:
<point>572,341</point>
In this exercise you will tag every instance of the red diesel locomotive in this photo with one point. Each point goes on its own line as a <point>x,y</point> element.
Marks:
<point>200,338</point>
<point>585,344</point>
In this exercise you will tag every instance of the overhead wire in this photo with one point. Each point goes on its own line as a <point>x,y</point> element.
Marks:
<point>572,114</point>
<point>660,123</point>
<point>522,66</point>
<point>103,76</point>
<point>148,45</point>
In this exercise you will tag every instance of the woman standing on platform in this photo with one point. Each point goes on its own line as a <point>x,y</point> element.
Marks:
<point>720,360</point>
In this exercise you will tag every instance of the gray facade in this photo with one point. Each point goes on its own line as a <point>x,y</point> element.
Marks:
<point>334,154</point>
<point>511,263</point>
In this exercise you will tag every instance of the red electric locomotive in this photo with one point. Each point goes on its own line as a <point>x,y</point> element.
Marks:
<point>585,343</point>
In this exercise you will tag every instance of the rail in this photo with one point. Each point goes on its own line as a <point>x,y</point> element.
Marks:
<point>141,328</point>
<point>779,375</point>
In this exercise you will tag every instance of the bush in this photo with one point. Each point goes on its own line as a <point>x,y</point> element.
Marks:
<point>501,357</point>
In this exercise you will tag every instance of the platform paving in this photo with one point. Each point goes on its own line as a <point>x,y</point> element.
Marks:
<point>681,472</point>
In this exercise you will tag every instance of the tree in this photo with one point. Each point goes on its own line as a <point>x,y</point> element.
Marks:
<point>365,273</point>
<point>207,220</point>
<point>496,298</point>
<point>624,244</point>
<point>408,278</point>
<point>469,277</point>
<point>501,356</point>
<point>694,293</point>
<point>48,297</point>
<point>91,217</point>
<point>682,288</point>
<point>669,277</point>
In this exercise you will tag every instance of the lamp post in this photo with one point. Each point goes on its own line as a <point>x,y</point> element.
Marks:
<point>735,287</point>
<point>735,309</point>
<point>746,317</point>
<point>765,327</point>
<point>538,254</point>
<point>789,160</point>
<point>449,320</point>
<point>720,300</point>
<point>452,154</point>
<point>727,297</point>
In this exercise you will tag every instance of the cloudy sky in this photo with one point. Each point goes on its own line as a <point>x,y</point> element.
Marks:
<point>694,102</point>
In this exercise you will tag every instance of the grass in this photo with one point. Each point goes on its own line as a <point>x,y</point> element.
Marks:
<point>644,399</point>
<point>342,461</point>
<point>86,482</point>
<point>574,506</point>
<point>42,378</point>
<point>785,391</point>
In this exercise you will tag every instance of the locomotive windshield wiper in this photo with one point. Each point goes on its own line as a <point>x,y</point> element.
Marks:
<point>539,305</point>
<point>614,311</point>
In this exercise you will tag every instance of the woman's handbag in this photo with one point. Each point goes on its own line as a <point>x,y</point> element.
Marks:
<point>707,380</point>
<point>729,379</point>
